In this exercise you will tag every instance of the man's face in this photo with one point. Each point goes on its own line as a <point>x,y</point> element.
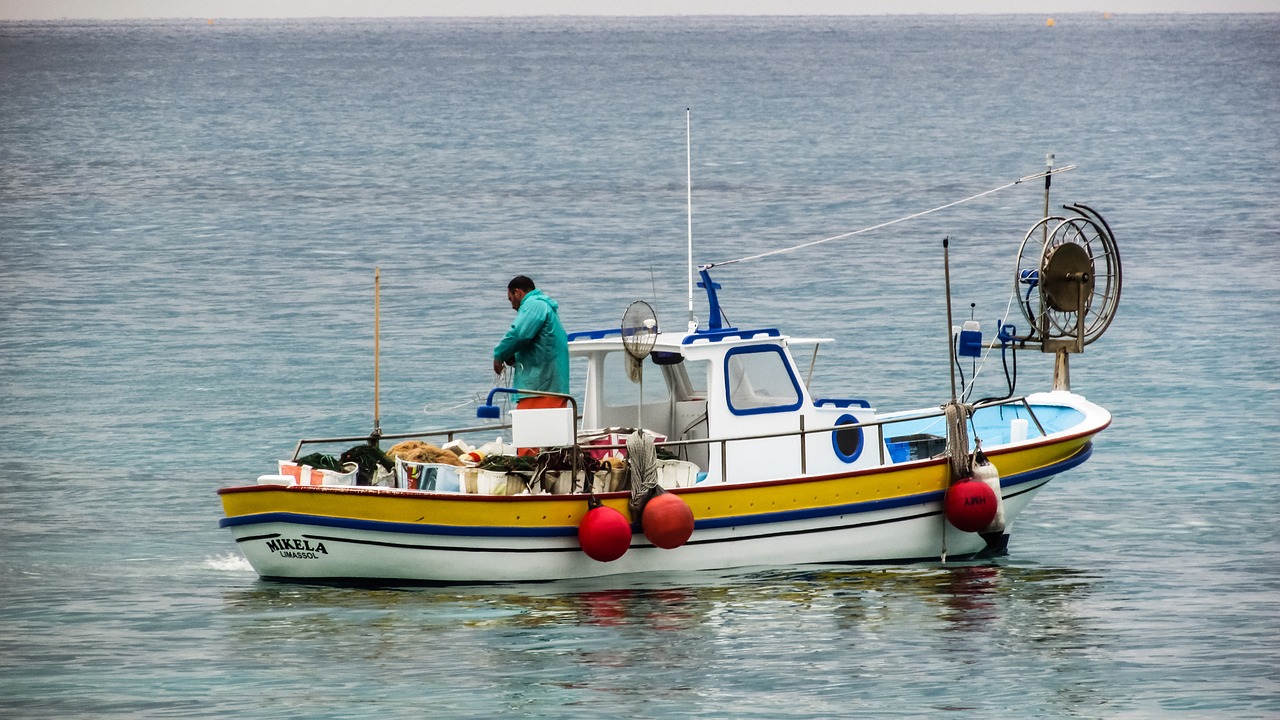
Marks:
<point>514,297</point>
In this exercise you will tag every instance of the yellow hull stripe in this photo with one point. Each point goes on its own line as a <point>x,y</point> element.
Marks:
<point>716,505</point>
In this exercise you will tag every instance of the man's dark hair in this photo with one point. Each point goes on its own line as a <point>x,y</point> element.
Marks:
<point>520,282</point>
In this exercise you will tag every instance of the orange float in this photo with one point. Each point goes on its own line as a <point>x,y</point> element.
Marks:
<point>667,521</point>
<point>604,534</point>
<point>970,505</point>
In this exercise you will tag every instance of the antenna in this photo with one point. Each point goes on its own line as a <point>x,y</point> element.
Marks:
<point>1048,177</point>
<point>688,180</point>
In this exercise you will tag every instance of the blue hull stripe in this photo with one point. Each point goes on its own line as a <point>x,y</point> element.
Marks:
<point>710,523</point>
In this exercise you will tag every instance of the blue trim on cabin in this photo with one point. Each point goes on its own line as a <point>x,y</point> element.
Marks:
<point>782,516</point>
<point>730,333</point>
<point>752,349</point>
<point>842,403</point>
<point>708,335</point>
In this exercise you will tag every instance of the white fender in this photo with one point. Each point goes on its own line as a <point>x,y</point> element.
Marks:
<point>987,473</point>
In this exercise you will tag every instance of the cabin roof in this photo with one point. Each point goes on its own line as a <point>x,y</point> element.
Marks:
<point>581,343</point>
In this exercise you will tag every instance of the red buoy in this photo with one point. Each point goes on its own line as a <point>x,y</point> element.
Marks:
<point>604,534</point>
<point>667,521</point>
<point>970,505</point>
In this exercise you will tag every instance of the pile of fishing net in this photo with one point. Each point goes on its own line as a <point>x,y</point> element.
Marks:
<point>370,461</point>
<point>421,452</point>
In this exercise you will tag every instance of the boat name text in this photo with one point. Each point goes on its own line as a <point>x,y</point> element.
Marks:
<point>295,548</point>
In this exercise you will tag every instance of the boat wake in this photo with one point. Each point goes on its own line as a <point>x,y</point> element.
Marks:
<point>228,562</point>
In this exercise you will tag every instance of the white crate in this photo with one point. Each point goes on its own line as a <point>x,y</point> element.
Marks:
<point>542,427</point>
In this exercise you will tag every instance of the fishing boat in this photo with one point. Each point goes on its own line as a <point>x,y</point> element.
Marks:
<point>701,448</point>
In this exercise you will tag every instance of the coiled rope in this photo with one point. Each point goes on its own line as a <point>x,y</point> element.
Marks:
<point>957,418</point>
<point>642,458</point>
<point>958,415</point>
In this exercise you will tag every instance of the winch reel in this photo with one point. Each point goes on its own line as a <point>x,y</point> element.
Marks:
<point>1068,279</point>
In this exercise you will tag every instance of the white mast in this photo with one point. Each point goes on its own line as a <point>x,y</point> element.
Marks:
<point>688,173</point>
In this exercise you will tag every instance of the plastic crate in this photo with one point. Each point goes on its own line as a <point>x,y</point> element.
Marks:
<point>920,446</point>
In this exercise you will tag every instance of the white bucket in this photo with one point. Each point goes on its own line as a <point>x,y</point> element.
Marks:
<point>427,477</point>
<point>469,480</point>
<point>346,477</point>
<point>612,480</point>
<point>491,482</point>
<point>302,474</point>
<point>384,478</point>
<point>292,470</point>
<point>559,482</point>
<point>676,473</point>
<point>1018,430</point>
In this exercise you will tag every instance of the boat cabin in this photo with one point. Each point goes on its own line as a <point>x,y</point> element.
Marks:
<point>731,401</point>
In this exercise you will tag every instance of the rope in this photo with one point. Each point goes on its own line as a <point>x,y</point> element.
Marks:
<point>957,417</point>
<point>894,222</point>
<point>958,438</point>
<point>642,457</point>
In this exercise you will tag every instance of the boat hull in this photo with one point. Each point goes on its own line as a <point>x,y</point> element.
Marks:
<point>364,535</point>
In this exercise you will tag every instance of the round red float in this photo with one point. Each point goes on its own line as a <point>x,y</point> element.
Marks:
<point>667,521</point>
<point>970,505</point>
<point>604,534</point>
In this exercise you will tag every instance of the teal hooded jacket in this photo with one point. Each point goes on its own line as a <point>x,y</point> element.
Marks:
<point>538,344</point>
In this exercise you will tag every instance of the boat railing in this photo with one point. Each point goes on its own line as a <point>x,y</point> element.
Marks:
<point>450,434</point>
<point>803,432</point>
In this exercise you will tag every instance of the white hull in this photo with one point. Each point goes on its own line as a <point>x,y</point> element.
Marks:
<point>301,551</point>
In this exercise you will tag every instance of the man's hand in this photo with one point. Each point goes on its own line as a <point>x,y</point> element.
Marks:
<point>497,367</point>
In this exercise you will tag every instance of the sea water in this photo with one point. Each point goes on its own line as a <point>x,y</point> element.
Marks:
<point>191,213</point>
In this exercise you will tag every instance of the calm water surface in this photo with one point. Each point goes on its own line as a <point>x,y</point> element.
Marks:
<point>190,215</point>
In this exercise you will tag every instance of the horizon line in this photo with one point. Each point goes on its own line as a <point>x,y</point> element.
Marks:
<point>494,16</point>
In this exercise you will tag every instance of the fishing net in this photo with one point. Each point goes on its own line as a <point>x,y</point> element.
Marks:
<point>368,458</point>
<point>417,451</point>
<point>320,461</point>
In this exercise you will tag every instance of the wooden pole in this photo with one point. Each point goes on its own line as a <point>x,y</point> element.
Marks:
<point>946,270</point>
<point>377,316</point>
<point>951,366</point>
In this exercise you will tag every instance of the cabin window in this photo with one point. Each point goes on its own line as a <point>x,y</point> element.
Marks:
<point>759,380</point>
<point>620,391</point>
<point>692,382</point>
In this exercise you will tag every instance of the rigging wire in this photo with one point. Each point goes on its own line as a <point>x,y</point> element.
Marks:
<point>842,236</point>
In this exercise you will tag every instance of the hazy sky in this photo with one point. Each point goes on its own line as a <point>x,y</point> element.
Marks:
<point>54,9</point>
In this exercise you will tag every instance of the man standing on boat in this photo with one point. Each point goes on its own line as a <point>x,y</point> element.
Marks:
<point>536,345</point>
